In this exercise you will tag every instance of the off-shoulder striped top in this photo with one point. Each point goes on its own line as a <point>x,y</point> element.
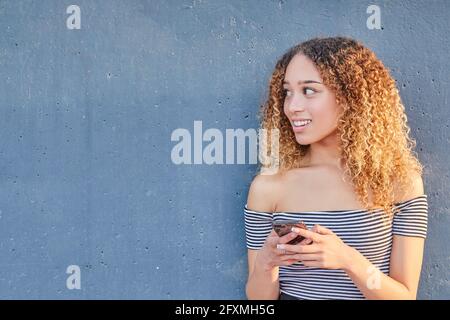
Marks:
<point>367,232</point>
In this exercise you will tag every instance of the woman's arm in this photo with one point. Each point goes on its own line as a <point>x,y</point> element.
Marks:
<point>262,281</point>
<point>405,263</point>
<point>403,279</point>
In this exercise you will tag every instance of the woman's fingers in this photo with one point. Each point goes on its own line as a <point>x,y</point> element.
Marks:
<point>301,257</point>
<point>306,251</point>
<point>321,229</point>
<point>272,239</point>
<point>275,239</point>
<point>312,248</point>
<point>313,264</point>
<point>283,240</point>
<point>315,237</point>
<point>288,237</point>
<point>287,262</point>
<point>305,241</point>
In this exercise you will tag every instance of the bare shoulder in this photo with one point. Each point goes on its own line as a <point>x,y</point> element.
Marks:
<point>413,190</point>
<point>263,192</point>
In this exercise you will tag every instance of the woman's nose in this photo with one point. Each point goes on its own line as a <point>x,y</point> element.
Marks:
<point>295,104</point>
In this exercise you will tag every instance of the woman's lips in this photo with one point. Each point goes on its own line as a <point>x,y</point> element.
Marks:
<point>302,128</point>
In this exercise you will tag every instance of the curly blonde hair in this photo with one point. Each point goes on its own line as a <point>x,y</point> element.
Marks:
<point>372,127</point>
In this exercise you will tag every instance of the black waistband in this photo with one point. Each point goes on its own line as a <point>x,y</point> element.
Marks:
<point>285,296</point>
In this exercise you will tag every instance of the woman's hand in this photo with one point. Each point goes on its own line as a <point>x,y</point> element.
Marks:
<point>269,256</point>
<point>326,251</point>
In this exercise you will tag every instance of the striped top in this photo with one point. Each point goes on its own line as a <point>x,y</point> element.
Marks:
<point>367,232</point>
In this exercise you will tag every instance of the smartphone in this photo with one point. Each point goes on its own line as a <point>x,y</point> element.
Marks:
<point>283,227</point>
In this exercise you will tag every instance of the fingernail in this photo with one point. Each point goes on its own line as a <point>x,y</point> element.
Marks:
<point>294,229</point>
<point>280,246</point>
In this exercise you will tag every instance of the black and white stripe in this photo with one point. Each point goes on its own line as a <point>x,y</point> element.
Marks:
<point>367,232</point>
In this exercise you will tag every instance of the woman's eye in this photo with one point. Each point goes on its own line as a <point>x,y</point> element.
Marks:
<point>306,89</point>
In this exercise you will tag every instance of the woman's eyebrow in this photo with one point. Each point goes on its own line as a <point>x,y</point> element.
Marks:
<point>301,82</point>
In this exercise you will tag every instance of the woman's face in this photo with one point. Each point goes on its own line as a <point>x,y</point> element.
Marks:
<point>309,100</point>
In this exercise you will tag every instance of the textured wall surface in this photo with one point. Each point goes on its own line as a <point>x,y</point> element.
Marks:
<point>87,116</point>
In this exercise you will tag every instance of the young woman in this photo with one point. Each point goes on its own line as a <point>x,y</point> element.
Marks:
<point>347,169</point>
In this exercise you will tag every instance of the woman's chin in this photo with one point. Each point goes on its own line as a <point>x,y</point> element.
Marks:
<point>300,138</point>
<point>302,141</point>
